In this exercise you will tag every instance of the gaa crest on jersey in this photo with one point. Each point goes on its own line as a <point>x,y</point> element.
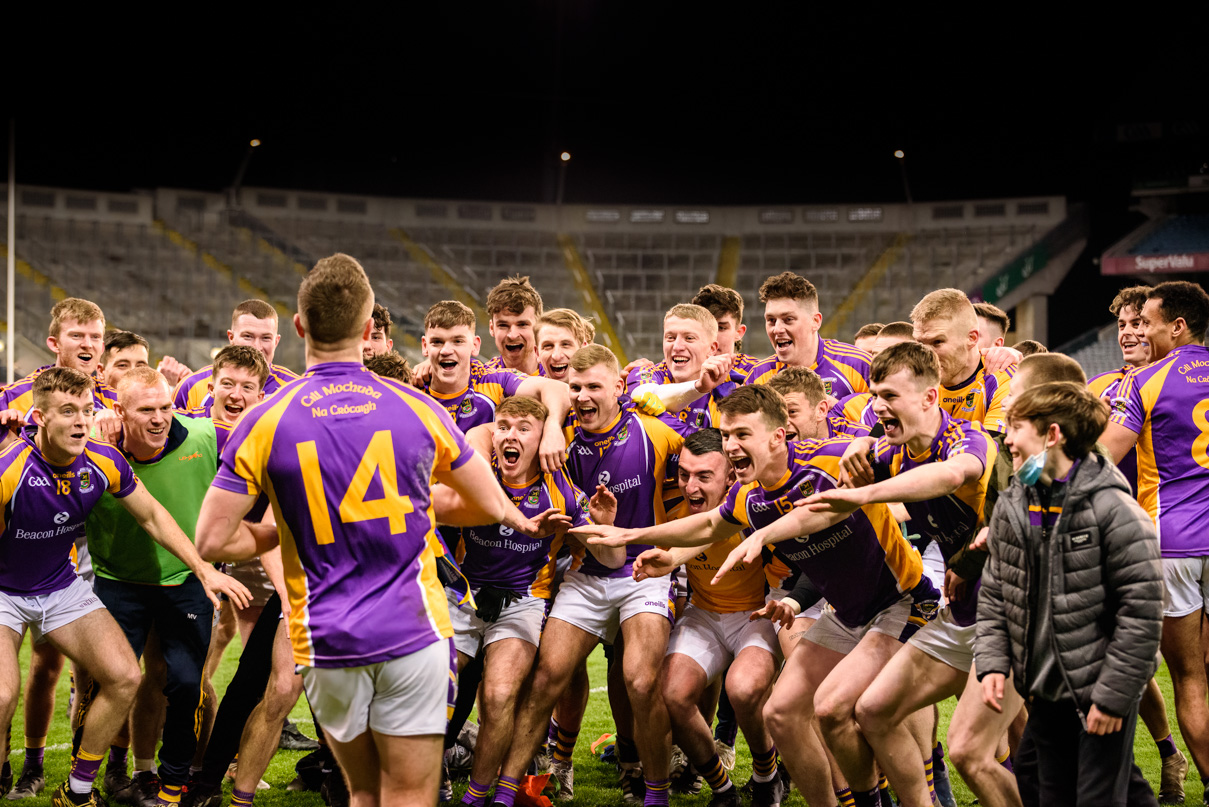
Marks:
<point>1120,405</point>
<point>467,407</point>
<point>85,480</point>
<point>534,495</point>
<point>622,435</point>
<point>970,400</point>
<point>699,421</point>
<point>806,488</point>
<point>827,385</point>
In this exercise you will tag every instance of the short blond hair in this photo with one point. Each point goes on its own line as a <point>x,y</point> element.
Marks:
<point>799,379</point>
<point>946,304</point>
<point>145,376</point>
<point>59,379</point>
<point>921,361</point>
<point>590,356</point>
<point>449,314</point>
<point>74,309</point>
<point>582,329</point>
<point>522,406</point>
<point>335,300</point>
<point>698,314</point>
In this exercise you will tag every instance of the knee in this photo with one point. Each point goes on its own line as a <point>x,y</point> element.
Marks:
<point>969,759</point>
<point>284,689</point>
<point>680,706</point>
<point>498,698</point>
<point>745,695</point>
<point>833,712</point>
<point>783,720</point>
<point>872,716</point>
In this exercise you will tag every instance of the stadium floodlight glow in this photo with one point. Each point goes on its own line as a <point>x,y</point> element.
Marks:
<point>565,156</point>
<point>899,154</point>
<point>254,143</point>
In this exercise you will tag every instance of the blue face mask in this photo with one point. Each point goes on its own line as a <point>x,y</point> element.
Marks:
<point>1030,469</point>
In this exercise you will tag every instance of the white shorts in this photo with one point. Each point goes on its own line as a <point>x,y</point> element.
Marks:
<point>946,641</point>
<point>520,619</point>
<point>1185,585</point>
<point>833,634</point>
<point>713,640</point>
<point>599,605</point>
<point>46,612</point>
<point>405,697</point>
<point>934,565</point>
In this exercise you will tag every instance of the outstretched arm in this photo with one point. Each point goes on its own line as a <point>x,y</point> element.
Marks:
<point>695,530</point>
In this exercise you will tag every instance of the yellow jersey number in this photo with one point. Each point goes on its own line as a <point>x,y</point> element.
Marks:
<point>378,456</point>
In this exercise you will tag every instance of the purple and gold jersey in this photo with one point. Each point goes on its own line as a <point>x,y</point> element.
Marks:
<point>843,368</point>
<point>856,408</point>
<point>1105,386</point>
<point>842,427</point>
<point>476,404</point>
<point>194,391</point>
<point>45,507</point>
<point>700,414</point>
<point>862,565</point>
<point>346,458</point>
<point>497,365</point>
<point>980,398</point>
<point>19,395</point>
<point>633,458</point>
<point>951,520</point>
<point>1167,405</point>
<point>500,557</point>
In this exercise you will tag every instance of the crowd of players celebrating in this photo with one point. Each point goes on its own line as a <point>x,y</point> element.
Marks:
<point>815,548</point>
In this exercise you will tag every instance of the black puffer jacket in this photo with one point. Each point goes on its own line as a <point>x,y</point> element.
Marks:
<point>1106,589</point>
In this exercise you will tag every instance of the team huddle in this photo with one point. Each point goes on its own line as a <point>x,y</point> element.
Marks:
<point>815,548</point>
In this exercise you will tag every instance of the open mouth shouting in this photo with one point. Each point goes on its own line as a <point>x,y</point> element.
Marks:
<point>557,371</point>
<point>893,427</point>
<point>510,457</point>
<point>514,348</point>
<point>741,463</point>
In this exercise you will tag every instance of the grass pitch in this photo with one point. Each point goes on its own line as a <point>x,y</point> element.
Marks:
<point>595,782</point>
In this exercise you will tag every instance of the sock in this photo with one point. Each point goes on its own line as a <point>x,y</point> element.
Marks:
<point>144,765</point>
<point>1005,760</point>
<point>866,798</point>
<point>505,791</point>
<point>84,770</point>
<point>475,795</point>
<point>241,798</point>
<point>727,731</point>
<point>552,733</point>
<point>764,765</point>
<point>844,797</point>
<point>169,795</point>
<point>1166,746</point>
<point>35,750</point>
<point>117,757</point>
<point>715,775</point>
<point>928,774</point>
<point>938,758</point>
<point>626,750</point>
<point>564,745</point>
<point>657,792</point>
<point>883,791</point>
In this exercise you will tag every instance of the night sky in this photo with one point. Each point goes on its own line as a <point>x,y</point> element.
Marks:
<point>657,102</point>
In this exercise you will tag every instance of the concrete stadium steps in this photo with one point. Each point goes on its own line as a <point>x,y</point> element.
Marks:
<point>140,279</point>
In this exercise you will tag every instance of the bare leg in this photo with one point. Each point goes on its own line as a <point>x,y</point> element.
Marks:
<point>911,681</point>
<point>1153,711</point>
<point>790,708</point>
<point>835,702</point>
<point>645,642</point>
<point>571,706</point>
<point>1186,662</point>
<point>506,666</point>
<point>223,633</point>
<point>263,730</point>
<point>97,644</point>
<point>411,769</point>
<point>974,731</point>
<point>359,760</point>
<point>563,647</point>
<point>10,675</point>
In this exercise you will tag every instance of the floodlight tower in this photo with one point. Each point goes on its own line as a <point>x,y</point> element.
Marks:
<point>243,169</point>
<point>901,156</point>
<point>564,160</point>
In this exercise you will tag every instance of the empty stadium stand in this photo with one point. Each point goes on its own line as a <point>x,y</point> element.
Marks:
<point>171,263</point>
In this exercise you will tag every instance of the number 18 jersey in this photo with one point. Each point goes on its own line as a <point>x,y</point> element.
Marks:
<point>346,458</point>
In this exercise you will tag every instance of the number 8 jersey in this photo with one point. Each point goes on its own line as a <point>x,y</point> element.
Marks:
<point>346,458</point>
<point>1167,405</point>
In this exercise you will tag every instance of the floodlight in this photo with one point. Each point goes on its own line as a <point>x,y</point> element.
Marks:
<point>254,143</point>
<point>565,156</point>
<point>899,154</point>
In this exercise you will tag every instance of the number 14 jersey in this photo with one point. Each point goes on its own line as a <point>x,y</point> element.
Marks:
<point>346,458</point>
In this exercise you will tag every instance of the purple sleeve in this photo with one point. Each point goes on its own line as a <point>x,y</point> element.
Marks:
<point>973,441</point>
<point>1128,408</point>
<point>883,452</point>
<point>728,507</point>
<point>577,502</point>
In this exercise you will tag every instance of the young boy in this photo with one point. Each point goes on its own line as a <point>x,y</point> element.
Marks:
<point>1071,602</point>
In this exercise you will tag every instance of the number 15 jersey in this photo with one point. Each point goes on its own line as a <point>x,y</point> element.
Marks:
<point>346,458</point>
